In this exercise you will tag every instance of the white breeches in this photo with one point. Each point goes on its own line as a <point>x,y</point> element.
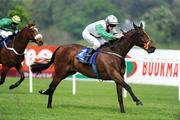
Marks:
<point>96,42</point>
<point>5,34</point>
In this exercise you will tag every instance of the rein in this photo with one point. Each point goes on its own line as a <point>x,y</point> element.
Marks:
<point>115,54</point>
<point>37,36</point>
<point>12,49</point>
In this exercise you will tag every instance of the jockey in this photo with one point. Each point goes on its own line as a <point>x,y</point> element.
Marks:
<point>98,32</point>
<point>8,26</point>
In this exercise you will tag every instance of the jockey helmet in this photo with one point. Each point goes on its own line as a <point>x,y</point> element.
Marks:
<point>111,19</point>
<point>16,19</point>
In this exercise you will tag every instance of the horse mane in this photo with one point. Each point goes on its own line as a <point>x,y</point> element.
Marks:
<point>110,43</point>
<point>28,26</point>
<point>31,24</point>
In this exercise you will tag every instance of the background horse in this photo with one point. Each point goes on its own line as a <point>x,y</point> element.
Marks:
<point>110,63</point>
<point>12,55</point>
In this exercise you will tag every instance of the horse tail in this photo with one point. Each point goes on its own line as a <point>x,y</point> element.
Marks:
<point>39,67</point>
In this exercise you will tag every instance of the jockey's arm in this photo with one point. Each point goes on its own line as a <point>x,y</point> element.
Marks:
<point>101,31</point>
<point>4,22</point>
<point>16,31</point>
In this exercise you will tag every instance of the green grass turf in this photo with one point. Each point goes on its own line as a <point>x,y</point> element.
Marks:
<point>93,101</point>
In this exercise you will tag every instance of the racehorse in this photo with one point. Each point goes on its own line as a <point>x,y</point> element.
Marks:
<point>110,63</point>
<point>12,54</point>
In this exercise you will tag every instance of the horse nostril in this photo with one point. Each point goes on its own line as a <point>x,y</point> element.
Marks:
<point>40,43</point>
<point>151,49</point>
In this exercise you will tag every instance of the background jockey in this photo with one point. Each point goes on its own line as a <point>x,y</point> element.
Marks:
<point>98,32</point>
<point>8,26</point>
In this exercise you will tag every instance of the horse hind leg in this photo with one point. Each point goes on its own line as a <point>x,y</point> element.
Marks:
<point>47,91</point>
<point>20,71</point>
<point>50,91</point>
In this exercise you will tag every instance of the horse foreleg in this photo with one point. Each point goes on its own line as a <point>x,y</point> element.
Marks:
<point>20,71</point>
<point>120,99</point>
<point>3,74</point>
<point>119,80</point>
<point>135,99</point>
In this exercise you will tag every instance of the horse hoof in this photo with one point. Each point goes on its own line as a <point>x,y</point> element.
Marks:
<point>12,87</point>
<point>1,82</point>
<point>123,111</point>
<point>49,107</point>
<point>44,92</point>
<point>139,103</point>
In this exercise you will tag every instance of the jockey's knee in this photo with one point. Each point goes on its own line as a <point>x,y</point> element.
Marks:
<point>97,45</point>
<point>1,37</point>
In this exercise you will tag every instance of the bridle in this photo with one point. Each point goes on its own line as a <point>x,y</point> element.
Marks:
<point>36,37</point>
<point>145,44</point>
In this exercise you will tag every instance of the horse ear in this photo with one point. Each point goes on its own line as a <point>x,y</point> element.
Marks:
<point>141,25</point>
<point>33,22</point>
<point>30,24</point>
<point>134,25</point>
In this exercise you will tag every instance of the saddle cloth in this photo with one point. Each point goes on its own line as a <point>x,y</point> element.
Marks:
<point>7,41</point>
<point>92,61</point>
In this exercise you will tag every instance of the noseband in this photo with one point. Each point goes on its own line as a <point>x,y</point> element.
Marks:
<point>38,36</point>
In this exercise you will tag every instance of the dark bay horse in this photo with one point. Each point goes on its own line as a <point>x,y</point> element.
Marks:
<point>12,55</point>
<point>110,63</point>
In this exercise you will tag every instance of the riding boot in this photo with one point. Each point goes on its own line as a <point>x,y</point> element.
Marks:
<point>88,56</point>
<point>1,39</point>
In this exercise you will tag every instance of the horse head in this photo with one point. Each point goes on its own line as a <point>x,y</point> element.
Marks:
<point>31,32</point>
<point>141,39</point>
<point>136,36</point>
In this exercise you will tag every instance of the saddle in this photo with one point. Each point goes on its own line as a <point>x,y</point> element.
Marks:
<point>84,56</point>
<point>91,61</point>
